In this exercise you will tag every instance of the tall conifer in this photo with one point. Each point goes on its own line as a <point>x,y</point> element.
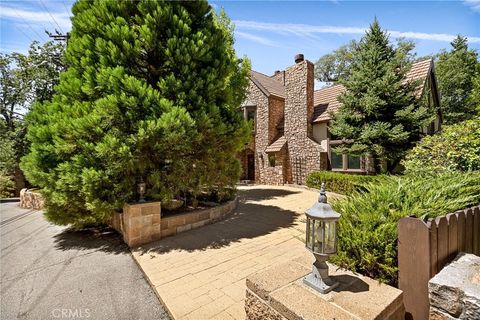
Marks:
<point>151,93</point>
<point>380,115</point>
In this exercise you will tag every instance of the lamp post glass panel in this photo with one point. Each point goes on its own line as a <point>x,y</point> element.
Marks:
<point>142,189</point>
<point>321,240</point>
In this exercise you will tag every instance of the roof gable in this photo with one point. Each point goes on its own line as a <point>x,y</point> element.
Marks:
<point>268,85</point>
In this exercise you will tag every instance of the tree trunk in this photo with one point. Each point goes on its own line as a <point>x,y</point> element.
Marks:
<point>20,181</point>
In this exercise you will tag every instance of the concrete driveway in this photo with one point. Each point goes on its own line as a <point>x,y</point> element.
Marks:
<point>49,272</point>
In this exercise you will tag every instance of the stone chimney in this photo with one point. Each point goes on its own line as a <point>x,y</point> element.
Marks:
<point>280,76</point>
<point>299,86</point>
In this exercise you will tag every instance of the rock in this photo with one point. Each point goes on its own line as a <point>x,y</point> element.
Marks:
<point>455,291</point>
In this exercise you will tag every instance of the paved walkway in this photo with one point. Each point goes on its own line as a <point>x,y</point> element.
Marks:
<point>49,272</point>
<point>200,274</point>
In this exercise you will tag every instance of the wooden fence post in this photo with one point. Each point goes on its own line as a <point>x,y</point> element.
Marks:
<point>476,231</point>
<point>414,266</point>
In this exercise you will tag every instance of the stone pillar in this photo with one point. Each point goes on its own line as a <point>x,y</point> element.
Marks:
<point>454,292</point>
<point>141,223</point>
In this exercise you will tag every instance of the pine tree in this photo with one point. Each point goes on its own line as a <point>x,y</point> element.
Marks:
<point>456,73</point>
<point>151,93</point>
<point>379,116</point>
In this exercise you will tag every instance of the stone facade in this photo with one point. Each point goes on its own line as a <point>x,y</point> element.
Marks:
<point>287,115</point>
<point>287,106</point>
<point>31,199</point>
<point>455,291</point>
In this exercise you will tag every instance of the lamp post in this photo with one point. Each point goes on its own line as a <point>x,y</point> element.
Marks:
<point>321,240</point>
<point>142,188</point>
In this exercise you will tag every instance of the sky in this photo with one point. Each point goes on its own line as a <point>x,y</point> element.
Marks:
<point>270,33</point>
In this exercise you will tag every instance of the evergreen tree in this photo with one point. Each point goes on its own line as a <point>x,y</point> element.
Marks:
<point>379,116</point>
<point>151,93</point>
<point>456,72</point>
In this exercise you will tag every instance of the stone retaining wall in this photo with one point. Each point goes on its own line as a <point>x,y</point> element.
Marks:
<point>455,291</point>
<point>192,220</point>
<point>141,223</point>
<point>31,199</point>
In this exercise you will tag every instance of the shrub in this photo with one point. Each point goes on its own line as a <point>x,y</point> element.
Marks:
<point>368,226</point>
<point>339,182</point>
<point>7,187</point>
<point>456,148</point>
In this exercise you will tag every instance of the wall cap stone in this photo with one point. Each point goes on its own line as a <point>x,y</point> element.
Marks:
<point>281,288</point>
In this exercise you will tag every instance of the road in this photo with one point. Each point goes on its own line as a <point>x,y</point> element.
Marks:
<point>51,272</point>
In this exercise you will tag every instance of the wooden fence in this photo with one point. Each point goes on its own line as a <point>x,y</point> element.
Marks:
<point>425,248</point>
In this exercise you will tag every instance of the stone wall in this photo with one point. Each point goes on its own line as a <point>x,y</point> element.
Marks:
<point>454,292</point>
<point>141,223</point>
<point>196,219</point>
<point>280,76</point>
<point>31,199</point>
<point>275,118</point>
<point>304,152</point>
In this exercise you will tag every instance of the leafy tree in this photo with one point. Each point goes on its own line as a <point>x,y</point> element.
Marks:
<point>455,148</point>
<point>151,92</point>
<point>335,66</point>
<point>24,80</point>
<point>380,115</point>
<point>455,72</point>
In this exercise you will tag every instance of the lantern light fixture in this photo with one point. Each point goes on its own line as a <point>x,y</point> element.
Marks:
<point>321,241</point>
<point>142,189</point>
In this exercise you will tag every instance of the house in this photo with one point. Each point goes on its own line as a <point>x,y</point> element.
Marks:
<point>291,137</point>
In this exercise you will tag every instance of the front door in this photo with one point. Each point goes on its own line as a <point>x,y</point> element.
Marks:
<point>251,167</point>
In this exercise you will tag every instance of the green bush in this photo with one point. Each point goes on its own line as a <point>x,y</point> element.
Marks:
<point>7,187</point>
<point>151,93</point>
<point>339,182</point>
<point>368,226</point>
<point>455,148</point>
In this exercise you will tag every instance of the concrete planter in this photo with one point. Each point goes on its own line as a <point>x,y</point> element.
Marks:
<point>141,223</point>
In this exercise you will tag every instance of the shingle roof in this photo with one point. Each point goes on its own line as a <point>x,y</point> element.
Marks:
<point>269,85</point>
<point>325,100</point>
<point>277,145</point>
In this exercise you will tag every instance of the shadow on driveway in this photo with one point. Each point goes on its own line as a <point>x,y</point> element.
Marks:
<point>103,239</point>
<point>249,221</point>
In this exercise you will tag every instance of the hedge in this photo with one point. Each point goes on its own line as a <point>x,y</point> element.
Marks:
<point>339,182</point>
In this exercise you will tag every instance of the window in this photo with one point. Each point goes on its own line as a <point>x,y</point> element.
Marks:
<point>345,162</point>
<point>353,162</point>
<point>251,115</point>
<point>271,159</point>
<point>336,160</point>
